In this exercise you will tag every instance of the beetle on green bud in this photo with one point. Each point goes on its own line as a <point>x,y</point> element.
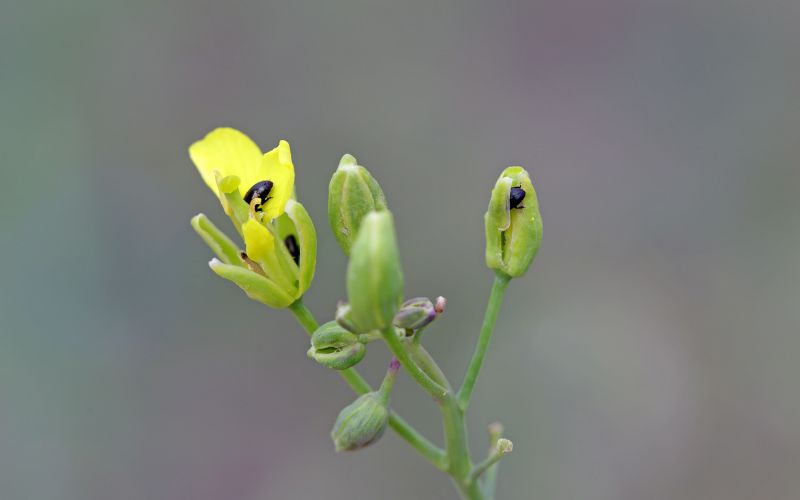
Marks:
<point>415,314</point>
<point>513,224</point>
<point>352,194</point>
<point>364,421</point>
<point>334,347</point>
<point>374,276</point>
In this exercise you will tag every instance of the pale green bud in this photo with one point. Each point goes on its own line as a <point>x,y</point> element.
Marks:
<point>513,224</point>
<point>352,194</point>
<point>363,421</point>
<point>257,286</point>
<point>374,276</point>
<point>415,314</point>
<point>334,347</point>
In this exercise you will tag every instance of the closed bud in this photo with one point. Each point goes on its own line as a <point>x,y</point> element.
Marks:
<point>363,421</point>
<point>352,194</point>
<point>334,347</point>
<point>513,224</point>
<point>415,314</point>
<point>374,276</point>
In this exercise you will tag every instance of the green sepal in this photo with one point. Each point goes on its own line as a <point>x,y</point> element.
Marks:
<point>256,286</point>
<point>374,275</point>
<point>352,194</point>
<point>219,243</point>
<point>306,236</point>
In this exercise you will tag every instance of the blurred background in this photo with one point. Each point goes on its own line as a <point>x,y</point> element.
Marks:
<point>650,353</point>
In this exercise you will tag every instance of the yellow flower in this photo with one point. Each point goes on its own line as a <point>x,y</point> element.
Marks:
<point>227,154</point>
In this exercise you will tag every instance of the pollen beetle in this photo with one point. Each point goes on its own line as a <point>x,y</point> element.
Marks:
<point>259,190</point>
<point>517,195</point>
<point>294,250</point>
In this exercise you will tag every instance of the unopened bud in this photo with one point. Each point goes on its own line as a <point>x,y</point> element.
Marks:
<point>513,224</point>
<point>334,347</point>
<point>363,421</point>
<point>352,194</point>
<point>415,314</point>
<point>374,276</point>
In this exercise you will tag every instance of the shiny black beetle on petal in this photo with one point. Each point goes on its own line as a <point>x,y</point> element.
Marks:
<point>294,250</point>
<point>259,190</point>
<point>517,195</point>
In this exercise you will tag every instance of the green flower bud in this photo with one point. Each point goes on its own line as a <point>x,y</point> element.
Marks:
<point>335,347</point>
<point>374,276</point>
<point>513,224</point>
<point>415,314</point>
<point>363,421</point>
<point>257,286</point>
<point>352,194</point>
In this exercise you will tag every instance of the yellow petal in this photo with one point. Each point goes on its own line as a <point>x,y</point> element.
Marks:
<point>258,241</point>
<point>229,152</point>
<point>277,166</point>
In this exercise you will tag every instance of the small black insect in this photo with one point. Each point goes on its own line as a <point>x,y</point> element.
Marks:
<point>259,190</point>
<point>517,195</point>
<point>294,249</point>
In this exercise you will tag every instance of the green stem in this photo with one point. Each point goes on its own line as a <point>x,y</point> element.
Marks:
<point>490,477</point>
<point>422,445</point>
<point>458,461</point>
<point>436,391</point>
<point>489,319</point>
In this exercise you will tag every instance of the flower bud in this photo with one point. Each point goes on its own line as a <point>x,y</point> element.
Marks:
<point>374,276</point>
<point>335,347</point>
<point>513,224</point>
<point>363,421</point>
<point>352,194</point>
<point>415,314</point>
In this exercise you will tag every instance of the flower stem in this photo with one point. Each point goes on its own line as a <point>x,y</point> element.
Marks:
<point>422,445</point>
<point>435,390</point>
<point>490,476</point>
<point>489,319</point>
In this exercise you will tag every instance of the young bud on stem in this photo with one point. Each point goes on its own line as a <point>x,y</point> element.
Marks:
<point>363,421</point>
<point>374,276</point>
<point>513,224</point>
<point>415,314</point>
<point>335,347</point>
<point>352,194</point>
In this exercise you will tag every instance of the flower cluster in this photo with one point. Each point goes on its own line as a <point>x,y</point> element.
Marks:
<point>276,267</point>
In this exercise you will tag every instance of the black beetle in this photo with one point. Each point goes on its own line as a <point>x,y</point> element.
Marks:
<point>259,190</point>
<point>294,250</point>
<point>517,195</point>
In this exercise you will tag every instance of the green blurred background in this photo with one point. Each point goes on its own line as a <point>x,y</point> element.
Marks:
<point>650,353</point>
